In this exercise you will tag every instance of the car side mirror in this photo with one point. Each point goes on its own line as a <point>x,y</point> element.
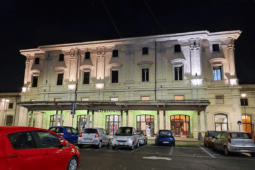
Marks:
<point>63,143</point>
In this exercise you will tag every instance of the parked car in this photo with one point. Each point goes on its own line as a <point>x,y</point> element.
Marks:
<point>125,137</point>
<point>23,148</point>
<point>66,132</point>
<point>142,137</point>
<point>232,141</point>
<point>93,136</point>
<point>165,137</point>
<point>208,137</point>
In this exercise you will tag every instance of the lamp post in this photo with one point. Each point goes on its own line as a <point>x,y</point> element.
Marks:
<point>243,98</point>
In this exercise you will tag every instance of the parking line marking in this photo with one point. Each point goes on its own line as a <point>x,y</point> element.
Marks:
<point>207,152</point>
<point>138,149</point>
<point>171,150</point>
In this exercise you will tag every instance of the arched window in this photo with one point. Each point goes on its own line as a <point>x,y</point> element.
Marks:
<point>221,122</point>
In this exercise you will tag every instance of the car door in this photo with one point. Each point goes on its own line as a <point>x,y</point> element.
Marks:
<point>217,140</point>
<point>69,134</point>
<point>222,141</point>
<point>135,136</point>
<point>55,157</point>
<point>75,135</point>
<point>22,152</point>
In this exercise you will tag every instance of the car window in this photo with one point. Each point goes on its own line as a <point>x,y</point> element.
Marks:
<point>74,130</point>
<point>165,133</point>
<point>104,131</point>
<point>53,129</point>
<point>124,131</point>
<point>140,132</point>
<point>218,135</point>
<point>240,135</point>
<point>68,130</point>
<point>211,134</point>
<point>59,130</point>
<point>223,136</point>
<point>21,140</point>
<point>48,140</point>
<point>89,131</point>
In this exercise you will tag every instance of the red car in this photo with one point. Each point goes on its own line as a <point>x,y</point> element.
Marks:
<point>28,148</point>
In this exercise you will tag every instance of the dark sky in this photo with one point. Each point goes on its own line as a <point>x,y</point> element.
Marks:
<point>29,24</point>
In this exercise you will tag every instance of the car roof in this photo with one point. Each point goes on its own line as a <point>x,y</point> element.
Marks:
<point>228,131</point>
<point>60,126</point>
<point>18,128</point>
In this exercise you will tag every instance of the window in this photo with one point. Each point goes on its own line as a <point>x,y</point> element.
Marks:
<point>61,57</point>
<point>52,120</point>
<point>244,102</point>
<point>145,50</point>
<point>60,79</point>
<point>48,140</point>
<point>86,77</point>
<point>146,124</point>
<point>114,99</point>
<point>35,81</point>
<point>113,122</point>
<point>247,124</point>
<point>57,99</point>
<point>37,60</point>
<point>219,99</point>
<point>178,73</point>
<point>10,105</point>
<point>180,125</point>
<point>145,75</point>
<point>32,100</point>
<point>146,98</point>
<point>22,140</point>
<point>69,130</point>
<point>115,76</point>
<point>178,97</point>
<point>221,122</point>
<point>9,120</point>
<point>82,122</point>
<point>177,48</point>
<point>115,53</point>
<point>74,130</point>
<point>216,47</point>
<point>87,55</point>
<point>217,73</point>
<point>85,99</point>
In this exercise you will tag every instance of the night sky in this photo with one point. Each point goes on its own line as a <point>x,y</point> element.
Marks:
<point>29,24</point>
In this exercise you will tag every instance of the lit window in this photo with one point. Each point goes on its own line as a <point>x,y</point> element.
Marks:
<point>221,122</point>
<point>216,47</point>
<point>115,53</point>
<point>177,48</point>
<point>57,100</point>
<point>60,79</point>
<point>178,73</point>
<point>32,100</point>
<point>217,73</point>
<point>114,99</point>
<point>178,97</point>
<point>85,99</point>
<point>86,77</point>
<point>145,98</point>
<point>145,50</point>
<point>115,76</point>
<point>61,57</point>
<point>219,99</point>
<point>35,81</point>
<point>87,55</point>
<point>145,75</point>
<point>37,60</point>
<point>247,123</point>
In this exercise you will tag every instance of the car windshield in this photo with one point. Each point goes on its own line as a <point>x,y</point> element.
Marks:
<point>127,131</point>
<point>139,132</point>
<point>89,131</point>
<point>165,133</point>
<point>240,136</point>
<point>211,134</point>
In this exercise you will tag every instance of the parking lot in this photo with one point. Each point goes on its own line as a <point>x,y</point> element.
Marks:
<point>182,156</point>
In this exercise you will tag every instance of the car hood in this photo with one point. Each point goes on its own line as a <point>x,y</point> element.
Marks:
<point>123,137</point>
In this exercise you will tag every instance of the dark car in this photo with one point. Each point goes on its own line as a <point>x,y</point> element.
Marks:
<point>66,132</point>
<point>165,137</point>
<point>209,135</point>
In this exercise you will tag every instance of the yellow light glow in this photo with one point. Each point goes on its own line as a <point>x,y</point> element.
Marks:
<point>24,89</point>
<point>196,82</point>
<point>99,85</point>
<point>233,82</point>
<point>71,87</point>
<point>243,95</point>
<point>7,100</point>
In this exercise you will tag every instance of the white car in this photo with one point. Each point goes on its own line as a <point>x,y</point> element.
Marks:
<point>142,137</point>
<point>125,137</point>
<point>93,136</point>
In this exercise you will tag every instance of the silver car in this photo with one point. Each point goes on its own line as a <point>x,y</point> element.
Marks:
<point>232,141</point>
<point>93,136</point>
<point>142,137</point>
<point>125,137</point>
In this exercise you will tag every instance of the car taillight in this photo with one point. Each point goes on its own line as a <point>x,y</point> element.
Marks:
<point>80,134</point>
<point>229,139</point>
<point>97,135</point>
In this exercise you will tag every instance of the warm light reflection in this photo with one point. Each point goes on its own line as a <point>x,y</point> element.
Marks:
<point>71,87</point>
<point>99,85</point>
<point>233,82</point>
<point>243,95</point>
<point>24,89</point>
<point>196,82</point>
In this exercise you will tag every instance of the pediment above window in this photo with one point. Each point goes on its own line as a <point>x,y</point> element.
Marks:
<point>87,62</point>
<point>216,61</point>
<point>35,72</point>
<point>59,69</point>
<point>86,67</point>
<point>145,63</point>
<point>115,65</point>
<point>178,62</point>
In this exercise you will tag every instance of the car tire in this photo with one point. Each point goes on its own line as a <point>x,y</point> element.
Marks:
<point>146,142</point>
<point>226,151</point>
<point>156,143</point>
<point>80,145</point>
<point>173,144</point>
<point>213,147</point>
<point>132,147</point>
<point>108,144</point>
<point>113,147</point>
<point>99,146</point>
<point>73,164</point>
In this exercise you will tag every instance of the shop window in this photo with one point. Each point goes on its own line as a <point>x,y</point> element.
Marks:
<point>9,120</point>
<point>114,99</point>
<point>146,124</point>
<point>61,57</point>
<point>57,99</point>
<point>177,48</point>
<point>178,97</point>
<point>35,81</point>
<point>85,99</point>
<point>82,122</point>
<point>37,60</point>
<point>115,53</point>
<point>86,77</point>
<point>221,122</point>
<point>244,102</point>
<point>10,105</point>
<point>145,75</point>
<point>219,99</point>
<point>145,98</point>
<point>178,73</point>
<point>247,124</point>
<point>115,76</point>
<point>30,121</point>
<point>112,123</point>
<point>145,50</point>
<point>216,47</point>
<point>52,120</point>
<point>87,55</point>
<point>60,79</point>
<point>217,73</point>
<point>180,125</point>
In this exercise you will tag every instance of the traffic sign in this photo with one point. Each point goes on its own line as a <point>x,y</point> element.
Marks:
<point>239,122</point>
<point>73,108</point>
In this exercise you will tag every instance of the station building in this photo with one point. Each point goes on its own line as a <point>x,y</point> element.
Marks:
<point>185,82</point>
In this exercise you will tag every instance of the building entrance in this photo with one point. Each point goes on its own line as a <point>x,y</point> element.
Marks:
<point>180,125</point>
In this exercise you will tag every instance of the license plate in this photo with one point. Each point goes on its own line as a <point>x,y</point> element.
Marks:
<point>87,140</point>
<point>244,150</point>
<point>165,142</point>
<point>120,143</point>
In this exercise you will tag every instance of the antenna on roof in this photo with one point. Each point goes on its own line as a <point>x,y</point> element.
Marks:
<point>111,18</point>
<point>153,16</point>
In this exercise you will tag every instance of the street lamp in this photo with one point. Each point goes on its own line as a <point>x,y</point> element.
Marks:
<point>243,98</point>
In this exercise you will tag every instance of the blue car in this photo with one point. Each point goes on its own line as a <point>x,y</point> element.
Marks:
<point>165,137</point>
<point>66,132</point>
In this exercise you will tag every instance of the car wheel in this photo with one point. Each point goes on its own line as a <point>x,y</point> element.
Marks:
<point>108,144</point>
<point>173,144</point>
<point>213,147</point>
<point>132,147</point>
<point>113,147</point>
<point>205,144</point>
<point>138,144</point>
<point>99,146</point>
<point>73,164</point>
<point>226,151</point>
<point>146,142</point>
<point>80,145</point>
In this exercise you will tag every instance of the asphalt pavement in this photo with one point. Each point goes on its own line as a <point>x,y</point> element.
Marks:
<point>151,157</point>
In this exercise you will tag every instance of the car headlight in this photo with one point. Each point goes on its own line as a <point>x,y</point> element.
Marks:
<point>129,140</point>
